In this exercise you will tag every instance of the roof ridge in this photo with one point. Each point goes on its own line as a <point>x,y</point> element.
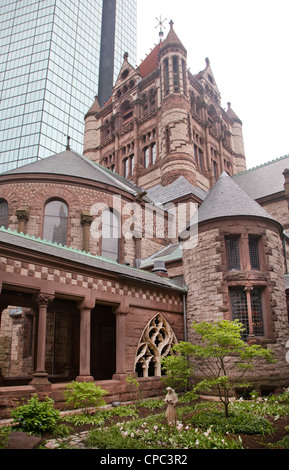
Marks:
<point>109,173</point>
<point>261,165</point>
<point>158,252</point>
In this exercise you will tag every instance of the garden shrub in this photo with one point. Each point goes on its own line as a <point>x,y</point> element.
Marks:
<point>36,416</point>
<point>84,395</point>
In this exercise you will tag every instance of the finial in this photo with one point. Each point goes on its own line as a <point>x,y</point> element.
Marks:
<point>125,55</point>
<point>161,25</point>
<point>171,24</point>
<point>207,61</point>
<point>229,104</point>
<point>68,143</point>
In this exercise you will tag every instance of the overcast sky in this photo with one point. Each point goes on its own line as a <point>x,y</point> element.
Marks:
<point>247,44</point>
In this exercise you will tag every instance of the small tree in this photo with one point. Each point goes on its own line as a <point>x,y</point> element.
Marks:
<point>224,358</point>
<point>84,395</point>
<point>177,368</point>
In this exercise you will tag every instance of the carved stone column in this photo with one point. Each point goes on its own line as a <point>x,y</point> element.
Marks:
<point>120,313</point>
<point>86,220</point>
<point>22,215</point>
<point>40,374</point>
<point>84,353</point>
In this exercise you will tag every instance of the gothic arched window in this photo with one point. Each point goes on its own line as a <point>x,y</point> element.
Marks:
<point>110,235</point>
<point>55,221</point>
<point>156,342</point>
<point>3,213</point>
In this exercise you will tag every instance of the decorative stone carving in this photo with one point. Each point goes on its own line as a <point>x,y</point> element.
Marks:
<point>155,344</point>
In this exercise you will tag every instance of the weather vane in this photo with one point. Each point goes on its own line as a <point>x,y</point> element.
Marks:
<point>161,26</point>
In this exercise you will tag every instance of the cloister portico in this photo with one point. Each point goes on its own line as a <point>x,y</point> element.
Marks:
<point>102,311</point>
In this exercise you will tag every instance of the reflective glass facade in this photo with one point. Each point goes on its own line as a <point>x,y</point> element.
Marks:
<point>49,68</point>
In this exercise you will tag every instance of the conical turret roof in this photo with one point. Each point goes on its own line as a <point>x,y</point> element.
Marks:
<point>172,39</point>
<point>227,199</point>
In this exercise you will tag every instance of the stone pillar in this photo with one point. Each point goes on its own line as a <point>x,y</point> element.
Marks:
<point>40,375</point>
<point>84,353</point>
<point>248,290</point>
<point>86,219</point>
<point>120,313</point>
<point>22,215</point>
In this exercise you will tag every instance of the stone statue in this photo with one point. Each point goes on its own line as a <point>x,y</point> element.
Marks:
<point>171,400</point>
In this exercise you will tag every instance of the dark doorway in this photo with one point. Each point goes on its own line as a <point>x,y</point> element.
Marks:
<point>103,339</point>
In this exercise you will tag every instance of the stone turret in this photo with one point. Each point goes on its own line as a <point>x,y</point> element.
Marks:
<point>237,141</point>
<point>177,154</point>
<point>236,271</point>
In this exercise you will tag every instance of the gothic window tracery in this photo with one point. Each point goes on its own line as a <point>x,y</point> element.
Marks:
<point>156,343</point>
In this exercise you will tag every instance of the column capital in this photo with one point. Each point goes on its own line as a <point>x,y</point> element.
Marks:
<point>86,218</point>
<point>43,300</point>
<point>23,213</point>
<point>121,309</point>
<point>86,304</point>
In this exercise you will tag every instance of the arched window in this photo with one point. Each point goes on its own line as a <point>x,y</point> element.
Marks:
<point>156,342</point>
<point>176,74</point>
<point>3,213</point>
<point>55,222</point>
<point>166,76</point>
<point>110,235</point>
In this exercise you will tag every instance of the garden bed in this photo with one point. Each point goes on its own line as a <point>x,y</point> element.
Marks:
<point>254,424</point>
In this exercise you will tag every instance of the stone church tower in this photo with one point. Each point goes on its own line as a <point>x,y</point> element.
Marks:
<point>162,121</point>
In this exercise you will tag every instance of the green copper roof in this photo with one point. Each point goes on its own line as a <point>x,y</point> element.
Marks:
<point>73,254</point>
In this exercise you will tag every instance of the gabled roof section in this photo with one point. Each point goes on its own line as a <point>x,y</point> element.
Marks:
<point>263,180</point>
<point>227,199</point>
<point>150,63</point>
<point>70,163</point>
<point>126,73</point>
<point>180,187</point>
<point>206,76</point>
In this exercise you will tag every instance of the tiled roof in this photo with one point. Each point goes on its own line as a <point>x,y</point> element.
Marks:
<point>227,199</point>
<point>180,187</point>
<point>38,245</point>
<point>69,163</point>
<point>263,180</point>
<point>150,63</point>
<point>169,253</point>
<point>172,39</point>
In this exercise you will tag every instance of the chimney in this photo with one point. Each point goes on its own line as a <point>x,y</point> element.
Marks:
<point>160,268</point>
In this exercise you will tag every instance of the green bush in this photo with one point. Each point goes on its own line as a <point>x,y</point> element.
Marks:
<point>36,416</point>
<point>4,436</point>
<point>284,443</point>
<point>84,395</point>
<point>235,423</point>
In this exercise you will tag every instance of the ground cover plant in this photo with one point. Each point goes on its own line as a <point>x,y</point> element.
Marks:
<point>260,422</point>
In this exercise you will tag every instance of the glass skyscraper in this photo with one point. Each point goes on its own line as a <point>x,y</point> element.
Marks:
<point>50,53</point>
